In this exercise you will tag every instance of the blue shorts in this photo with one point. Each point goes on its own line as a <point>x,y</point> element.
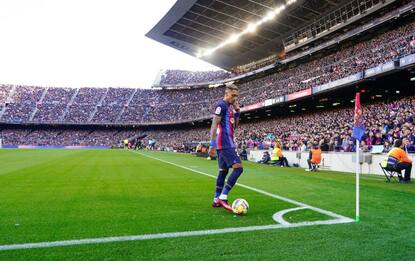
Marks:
<point>227,157</point>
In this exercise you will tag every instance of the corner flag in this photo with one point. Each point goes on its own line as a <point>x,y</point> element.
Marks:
<point>358,132</point>
<point>358,126</point>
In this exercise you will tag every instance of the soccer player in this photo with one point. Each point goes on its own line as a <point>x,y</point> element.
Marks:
<point>224,122</point>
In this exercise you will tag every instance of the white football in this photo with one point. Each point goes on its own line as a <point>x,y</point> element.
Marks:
<point>240,206</point>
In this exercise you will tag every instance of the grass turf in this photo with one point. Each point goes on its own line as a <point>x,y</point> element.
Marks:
<point>65,194</point>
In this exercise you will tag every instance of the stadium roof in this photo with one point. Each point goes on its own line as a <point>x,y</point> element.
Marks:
<point>194,25</point>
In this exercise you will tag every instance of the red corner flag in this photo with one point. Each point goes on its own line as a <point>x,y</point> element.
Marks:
<point>358,126</point>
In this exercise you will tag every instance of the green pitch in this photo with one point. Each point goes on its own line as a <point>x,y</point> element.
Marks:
<point>59,195</point>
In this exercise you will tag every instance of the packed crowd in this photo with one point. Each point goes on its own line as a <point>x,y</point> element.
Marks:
<point>105,105</point>
<point>331,129</point>
<point>347,61</point>
<point>22,101</point>
<point>187,77</point>
<point>65,137</point>
<point>127,105</point>
<point>4,93</point>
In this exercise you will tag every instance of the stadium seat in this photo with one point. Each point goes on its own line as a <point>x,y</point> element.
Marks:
<point>390,172</point>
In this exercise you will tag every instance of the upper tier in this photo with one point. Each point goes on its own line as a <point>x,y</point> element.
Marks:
<point>143,106</point>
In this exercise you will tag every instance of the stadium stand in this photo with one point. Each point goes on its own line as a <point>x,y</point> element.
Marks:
<point>348,61</point>
<point>310,74</point>
<point>386,122</point>
<point>188,77</point>
<point>127,105</point>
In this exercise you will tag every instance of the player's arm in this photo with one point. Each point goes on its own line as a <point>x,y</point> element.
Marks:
<point>236,122</point>
<point>237,114</point>
<point>219,113</point>
<point>215,121</point>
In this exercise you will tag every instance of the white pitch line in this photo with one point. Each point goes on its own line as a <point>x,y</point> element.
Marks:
<point>88,241</point>
<point>278,217</point>
<point>300,204</point>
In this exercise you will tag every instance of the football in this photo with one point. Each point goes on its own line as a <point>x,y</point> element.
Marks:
<point>240,206</point>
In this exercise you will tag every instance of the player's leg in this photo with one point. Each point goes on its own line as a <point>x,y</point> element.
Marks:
<point>232,160</point>
<point>220,179</point>
<point>220,182</point>
<point>236,172</point>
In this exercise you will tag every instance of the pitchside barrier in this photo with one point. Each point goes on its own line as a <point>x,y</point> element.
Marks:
<point>336,161</point>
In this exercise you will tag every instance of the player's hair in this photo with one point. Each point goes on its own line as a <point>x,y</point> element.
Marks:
<point>232,87</point>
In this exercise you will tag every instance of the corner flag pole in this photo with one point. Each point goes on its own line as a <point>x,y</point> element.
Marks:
<point>357,182</point>
<point>358,133</point>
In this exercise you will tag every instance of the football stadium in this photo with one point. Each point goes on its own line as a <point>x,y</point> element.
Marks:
<point>298,145</point>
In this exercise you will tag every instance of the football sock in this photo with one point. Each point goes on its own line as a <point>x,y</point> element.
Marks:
<point>220,181</point>
<point>232,180</point>
<point>223,197</point>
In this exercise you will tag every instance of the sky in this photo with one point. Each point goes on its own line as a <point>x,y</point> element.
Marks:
<point>85,43</point>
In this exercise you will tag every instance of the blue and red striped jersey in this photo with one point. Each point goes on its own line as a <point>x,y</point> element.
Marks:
<point>225,129</point>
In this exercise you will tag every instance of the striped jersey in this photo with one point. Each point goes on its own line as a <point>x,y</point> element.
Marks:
<point>225,129</point>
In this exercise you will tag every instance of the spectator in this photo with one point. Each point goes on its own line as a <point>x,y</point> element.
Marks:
<point>265,158</point>
<point>398,160</point>
<point>314,158</point>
